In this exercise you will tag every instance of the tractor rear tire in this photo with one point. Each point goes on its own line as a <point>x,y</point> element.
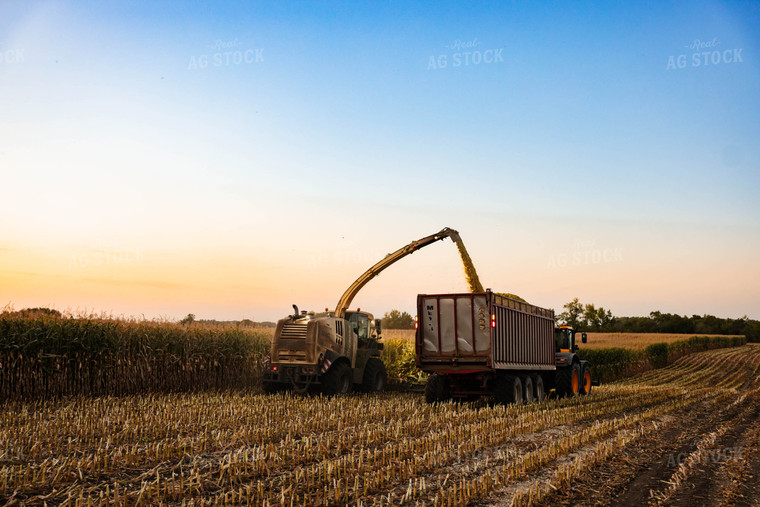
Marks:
<point>337,380</point>
<point>375,376</point>
<point>568,380</point>
<point>507,389</point>
<point>539,393</point>
<point>527,386</point>
<point>586,379</point>
<point>437,388</point>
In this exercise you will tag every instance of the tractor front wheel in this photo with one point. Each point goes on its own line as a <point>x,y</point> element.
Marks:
<point>586,379</point>
<point>568,380</point>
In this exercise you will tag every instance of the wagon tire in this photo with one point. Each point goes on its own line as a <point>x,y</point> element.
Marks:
<point>507,389</point>
<point>437,388</point>
<point>527,388</point>
<point>539,392</point>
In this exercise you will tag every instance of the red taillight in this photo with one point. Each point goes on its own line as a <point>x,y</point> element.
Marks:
<point>416,322</point>
<point>274,368</point>
<point>493,320</point>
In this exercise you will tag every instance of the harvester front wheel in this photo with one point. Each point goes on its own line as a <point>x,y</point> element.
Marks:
<point>374,376</point>
<point>437,388</point>
<point>337,380</point>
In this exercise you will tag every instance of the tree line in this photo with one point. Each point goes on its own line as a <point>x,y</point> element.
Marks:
<point>587,317</point>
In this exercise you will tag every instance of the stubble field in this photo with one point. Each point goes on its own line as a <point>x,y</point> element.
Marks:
<point>686,434</point>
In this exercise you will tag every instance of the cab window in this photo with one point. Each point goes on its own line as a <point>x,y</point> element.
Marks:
<point>360,325</point>
<point>562,338</point>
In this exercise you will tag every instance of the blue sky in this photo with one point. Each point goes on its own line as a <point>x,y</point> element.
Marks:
<point>333,136</point>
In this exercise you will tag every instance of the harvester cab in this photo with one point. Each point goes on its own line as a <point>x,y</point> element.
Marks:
<point>366,327</point>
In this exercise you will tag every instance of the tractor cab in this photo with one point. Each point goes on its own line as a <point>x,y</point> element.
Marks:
<point>573,373</point>
<point>564,339</point>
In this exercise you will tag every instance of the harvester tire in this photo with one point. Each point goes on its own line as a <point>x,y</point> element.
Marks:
<point>586,379</point>
<point>437,388</point>
<point>539,393</point>
<point>527,387</point>
<point>374,376</point>
<point>507,389</point>
<point>568,380</point>
<point>337,380</point>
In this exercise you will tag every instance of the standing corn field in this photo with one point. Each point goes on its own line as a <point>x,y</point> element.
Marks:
<point>45,357</point>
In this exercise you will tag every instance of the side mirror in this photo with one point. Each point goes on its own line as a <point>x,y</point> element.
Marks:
<point>378,327</point>
<point>584,338</point>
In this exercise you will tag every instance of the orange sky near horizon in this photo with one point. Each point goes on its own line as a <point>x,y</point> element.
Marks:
<point>261,280</point>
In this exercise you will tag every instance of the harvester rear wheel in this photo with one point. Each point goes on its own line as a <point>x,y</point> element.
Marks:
<point>337,380</point>
<point>507,389</point>
<point>374,376</point>
<point>437,388</point>
<point>586,379</point>
<point>539,393</point>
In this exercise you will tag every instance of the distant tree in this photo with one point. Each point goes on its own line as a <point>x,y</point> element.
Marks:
<point>586,317</point>
<point>247,323</point>
<point>38,312</point>
<point>397,320</point>
<point>596,319</point>
<point>573,313</point>
<point>188,320</point>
